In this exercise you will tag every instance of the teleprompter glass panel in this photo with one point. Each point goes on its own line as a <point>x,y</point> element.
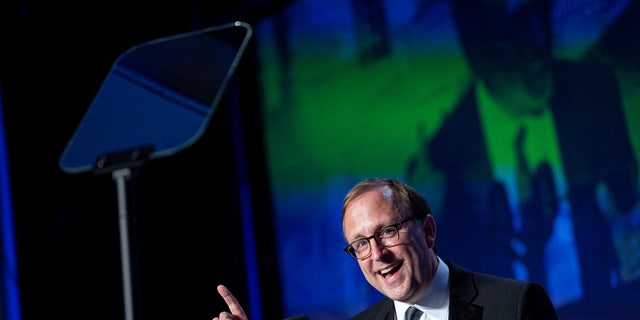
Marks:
<point>159,94</point>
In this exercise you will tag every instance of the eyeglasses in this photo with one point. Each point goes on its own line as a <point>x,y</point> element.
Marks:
<point>361,248</point>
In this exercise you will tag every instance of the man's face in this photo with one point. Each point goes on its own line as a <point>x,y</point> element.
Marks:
<point>402,271</point>
<point>522,82</point>
<point>518,59</point>
<point>512,54</point>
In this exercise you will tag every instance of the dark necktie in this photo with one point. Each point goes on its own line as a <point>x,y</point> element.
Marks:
<point>412,313</point>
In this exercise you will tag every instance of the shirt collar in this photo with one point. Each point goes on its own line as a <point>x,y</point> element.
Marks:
<point>436,301</point>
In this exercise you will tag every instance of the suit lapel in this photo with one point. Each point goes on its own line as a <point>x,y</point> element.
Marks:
<point>463,290</point>
<point>462,310</point>
<point>390,311</point>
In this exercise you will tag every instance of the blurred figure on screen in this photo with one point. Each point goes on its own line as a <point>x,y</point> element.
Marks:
<point>526,111</point>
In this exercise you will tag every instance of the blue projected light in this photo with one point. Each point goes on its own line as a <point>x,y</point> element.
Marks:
<point>9,267</point>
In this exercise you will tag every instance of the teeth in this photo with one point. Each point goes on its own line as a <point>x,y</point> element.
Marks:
<point>385,271</point>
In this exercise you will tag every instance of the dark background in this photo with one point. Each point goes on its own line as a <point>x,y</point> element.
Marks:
<point>186,221</point>
<point>186,226</point>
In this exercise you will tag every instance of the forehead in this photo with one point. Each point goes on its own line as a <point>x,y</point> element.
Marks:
<point>369,212</point>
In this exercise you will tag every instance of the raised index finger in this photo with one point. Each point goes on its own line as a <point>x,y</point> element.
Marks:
<point>232,303</point>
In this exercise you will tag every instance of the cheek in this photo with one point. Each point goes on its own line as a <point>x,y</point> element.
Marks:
<point>366,270</point>
<point>422,244</point>
<point>364,265</point>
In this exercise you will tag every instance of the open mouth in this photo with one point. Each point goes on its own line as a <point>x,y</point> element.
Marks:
<point>387,272</point>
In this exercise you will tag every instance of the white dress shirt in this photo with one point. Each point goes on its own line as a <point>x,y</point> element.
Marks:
<point>435,303</point>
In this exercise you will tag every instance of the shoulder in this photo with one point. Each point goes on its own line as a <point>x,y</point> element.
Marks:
<point>500,297</point>
<point>459,273</point>
<point>471,284</point>
<point>460,276</point>
<point>583,72</point>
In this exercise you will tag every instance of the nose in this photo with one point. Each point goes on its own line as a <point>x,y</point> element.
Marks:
<point>377,250</point>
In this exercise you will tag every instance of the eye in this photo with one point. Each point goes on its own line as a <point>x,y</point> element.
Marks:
<point>359,244</point>
<point>387,232</point>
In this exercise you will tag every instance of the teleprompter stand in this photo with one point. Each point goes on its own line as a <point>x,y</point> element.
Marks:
<point>157,100</point>
<point>123,165</point>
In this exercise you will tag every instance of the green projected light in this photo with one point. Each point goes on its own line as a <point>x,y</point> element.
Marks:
<point>517,139</point>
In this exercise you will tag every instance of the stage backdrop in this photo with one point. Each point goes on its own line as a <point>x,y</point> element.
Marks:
<point>356,89</point>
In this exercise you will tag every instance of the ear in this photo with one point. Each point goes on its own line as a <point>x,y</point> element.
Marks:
<point>429,227</point>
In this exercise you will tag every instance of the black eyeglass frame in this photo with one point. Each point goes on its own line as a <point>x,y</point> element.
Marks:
<point>376,235</point>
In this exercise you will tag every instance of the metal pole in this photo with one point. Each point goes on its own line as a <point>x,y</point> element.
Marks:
<point>120,176</point>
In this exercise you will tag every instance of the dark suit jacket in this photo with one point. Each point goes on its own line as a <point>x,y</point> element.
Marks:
<point>481,296</point>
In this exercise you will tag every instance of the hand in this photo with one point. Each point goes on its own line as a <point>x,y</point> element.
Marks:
<point>237,313</point>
